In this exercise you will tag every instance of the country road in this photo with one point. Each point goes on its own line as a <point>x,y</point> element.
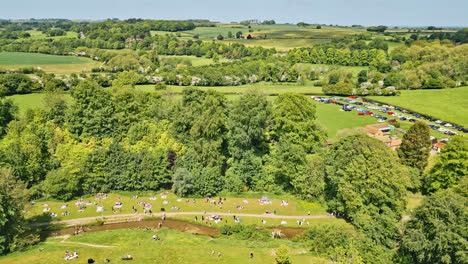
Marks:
<point>88,219</point>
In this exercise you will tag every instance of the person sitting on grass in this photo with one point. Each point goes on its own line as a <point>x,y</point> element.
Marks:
<point>128,257</point>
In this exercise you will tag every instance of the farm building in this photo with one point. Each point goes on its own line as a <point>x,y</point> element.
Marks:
<point>438,146</point>
<point>377,130</point>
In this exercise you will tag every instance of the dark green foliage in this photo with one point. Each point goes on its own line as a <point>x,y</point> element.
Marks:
<point>436,232</point>
<point>13,234</point>
<point>17,83</point>
<point>294,120</point>
<point>295,134</point>
<point>117,169</point>
<point>366,184</point>
<point>377,29</point>
<point>92,112</point>
<point>416,146</point>
<point>362,76</point>
<point>450,167</point>
<point>247,140</point>
<point>244,232</point>
<point>344,245</point>
<point>7,113</point>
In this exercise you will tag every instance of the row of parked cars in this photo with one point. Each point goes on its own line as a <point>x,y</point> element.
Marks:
<point>363,105</point>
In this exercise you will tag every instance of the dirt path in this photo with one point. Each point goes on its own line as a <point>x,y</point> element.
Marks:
<point>79,243</point>
<point>78,221</point>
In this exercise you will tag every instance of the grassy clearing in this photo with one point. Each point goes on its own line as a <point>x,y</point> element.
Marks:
<point>444,104</point>
<point>36,212</point>
<point>174,247</point>
<point>31,101</point>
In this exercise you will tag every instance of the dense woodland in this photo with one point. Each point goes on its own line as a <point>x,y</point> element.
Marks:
<point>111,137</point>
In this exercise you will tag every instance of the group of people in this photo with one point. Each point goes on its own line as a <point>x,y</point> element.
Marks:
<point>69,256</point>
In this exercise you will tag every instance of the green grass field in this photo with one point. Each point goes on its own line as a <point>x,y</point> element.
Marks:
<point>32,59</point>
<point>48,63</point>
<point>280,36</point>
<point>444,104</point>
<point>173,247</point>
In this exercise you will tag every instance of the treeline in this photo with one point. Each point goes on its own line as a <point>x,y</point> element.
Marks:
<point>104,139</point>
<point>106,30</point>
<point>423,65</point>
<point>460,36</point>
<point>377,29</point>
<point>162,45</point>
<point>345,57</point>
<point>133,28</point>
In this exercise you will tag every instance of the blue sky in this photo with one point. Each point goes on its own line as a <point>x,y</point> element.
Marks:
<point>342,12</point>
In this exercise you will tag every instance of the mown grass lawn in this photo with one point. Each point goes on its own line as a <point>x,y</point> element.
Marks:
<point>174,247</point>
<point>444,104</point>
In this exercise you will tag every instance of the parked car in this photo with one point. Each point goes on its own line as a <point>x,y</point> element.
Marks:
<point>380,120</point>
<point>392,121</point>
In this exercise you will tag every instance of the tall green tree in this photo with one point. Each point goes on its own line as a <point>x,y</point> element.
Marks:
<point>366,184</point>
<point>436,232</point>
<point>416,146</point>
<point>451,165</point>
<point>294,120</point>
<point>92,113</point>
<point>12,223</point>
<point>7,113</point>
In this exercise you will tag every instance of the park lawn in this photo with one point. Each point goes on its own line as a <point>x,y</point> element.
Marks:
<point>445,104</point>
<point>36,214</point>
<point>174,247</point>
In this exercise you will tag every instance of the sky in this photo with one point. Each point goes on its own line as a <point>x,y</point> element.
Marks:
<point>341,12</point>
